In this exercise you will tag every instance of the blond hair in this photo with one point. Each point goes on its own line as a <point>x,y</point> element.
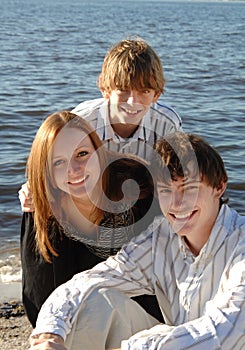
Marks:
<point>131,64</point>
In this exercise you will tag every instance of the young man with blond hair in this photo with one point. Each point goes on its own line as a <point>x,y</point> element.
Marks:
<point>129,118</point>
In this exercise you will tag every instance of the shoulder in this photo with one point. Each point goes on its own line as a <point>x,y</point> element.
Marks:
<point>163,110</point>
<point>230,229</point>
<point>86,107</point>
<point>231,219</point>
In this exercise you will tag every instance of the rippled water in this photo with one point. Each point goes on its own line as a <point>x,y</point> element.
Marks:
<point>51,54</point>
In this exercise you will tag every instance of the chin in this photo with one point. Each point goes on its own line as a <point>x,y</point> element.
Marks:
<point>181,229</point>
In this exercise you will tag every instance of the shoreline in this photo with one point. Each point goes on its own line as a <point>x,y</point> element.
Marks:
<point>10,291</point>
<point>15,329</point>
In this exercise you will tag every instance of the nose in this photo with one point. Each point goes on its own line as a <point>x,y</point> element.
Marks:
<point>74,167</point>
<point>177,199</point>
<point>132,97</point>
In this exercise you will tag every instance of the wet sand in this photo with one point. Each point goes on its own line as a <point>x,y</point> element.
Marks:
<point>10,291</point>
<point>15,328</point>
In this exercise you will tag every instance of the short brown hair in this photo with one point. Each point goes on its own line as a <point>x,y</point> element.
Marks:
<point>131,63</point>
<point>177,150</point>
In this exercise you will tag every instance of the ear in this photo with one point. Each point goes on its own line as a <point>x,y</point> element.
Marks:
<point>156,97</point>
<point>105,94</point>
<point>221,189</point>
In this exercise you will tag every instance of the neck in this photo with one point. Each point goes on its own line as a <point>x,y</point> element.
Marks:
<point>194,247</point>
<point>84,206</point>
<point>124,130</point>
<point>79,212</point>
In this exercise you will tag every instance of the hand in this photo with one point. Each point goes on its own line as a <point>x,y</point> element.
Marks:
<point>25,197</point>
<point>47,341</point>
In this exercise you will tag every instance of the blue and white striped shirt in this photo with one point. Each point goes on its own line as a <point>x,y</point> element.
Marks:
<point>157,122</point>
<point>202,298</point>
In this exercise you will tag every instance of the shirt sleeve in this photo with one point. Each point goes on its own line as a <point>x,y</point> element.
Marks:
<point>171,114</point>
<point>221,327</point>
<point>130,271</point>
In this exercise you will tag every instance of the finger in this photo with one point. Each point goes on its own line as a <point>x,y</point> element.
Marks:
<point>46,336</point>
<point>44,344</point>
<point>25,199</point>
<point>25,189</point>
<point>48,345</point>
<point>26,204</point>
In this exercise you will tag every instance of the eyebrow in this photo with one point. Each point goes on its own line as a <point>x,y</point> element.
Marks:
<point>185,182</point>
<point>188,181</point>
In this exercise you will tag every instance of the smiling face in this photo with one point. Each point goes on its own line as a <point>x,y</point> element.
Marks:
<point>130,106</point>
<point>191,179</point>
<point>75,164</point>
<point>191,206</point>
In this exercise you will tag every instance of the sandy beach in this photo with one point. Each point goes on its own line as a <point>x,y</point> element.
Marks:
<point>15,328</point>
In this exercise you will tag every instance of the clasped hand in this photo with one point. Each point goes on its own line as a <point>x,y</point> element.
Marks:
<point>47,341</point>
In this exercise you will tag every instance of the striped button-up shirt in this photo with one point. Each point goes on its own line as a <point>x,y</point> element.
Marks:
<point>202,298</point>
<point>157,122</point>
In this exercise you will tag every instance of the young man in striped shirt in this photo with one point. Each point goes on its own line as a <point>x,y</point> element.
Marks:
<point>193,261</point>
<point>129,118</point>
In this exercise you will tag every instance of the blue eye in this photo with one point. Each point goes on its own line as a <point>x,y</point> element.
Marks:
<point>164,191</point>
<point>191,188</point>
<point>58,162</point>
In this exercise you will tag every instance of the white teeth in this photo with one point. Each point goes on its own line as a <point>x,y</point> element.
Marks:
<point>78,181</point>
<point>183,216</point>
<point>130,112</point>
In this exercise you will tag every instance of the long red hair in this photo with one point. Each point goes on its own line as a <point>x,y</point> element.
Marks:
<point>46,197</point>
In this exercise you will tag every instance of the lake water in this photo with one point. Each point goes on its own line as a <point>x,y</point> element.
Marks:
<point>51,55</point>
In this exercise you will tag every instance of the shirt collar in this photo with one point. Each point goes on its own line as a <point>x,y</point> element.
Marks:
<point>143,131</point>
<point>216,238</point>
<point>145,126</point>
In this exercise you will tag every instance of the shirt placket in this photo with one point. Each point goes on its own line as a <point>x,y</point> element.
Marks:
<point>189,292</point>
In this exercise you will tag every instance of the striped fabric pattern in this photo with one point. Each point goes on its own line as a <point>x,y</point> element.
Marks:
<point>202,298</point>
<point>158,121</point>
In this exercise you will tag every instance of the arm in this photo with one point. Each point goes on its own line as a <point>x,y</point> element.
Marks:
<point>125,271</point>
<point>220,327</point>
<point>37,275</point>
<point>25,197</point>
